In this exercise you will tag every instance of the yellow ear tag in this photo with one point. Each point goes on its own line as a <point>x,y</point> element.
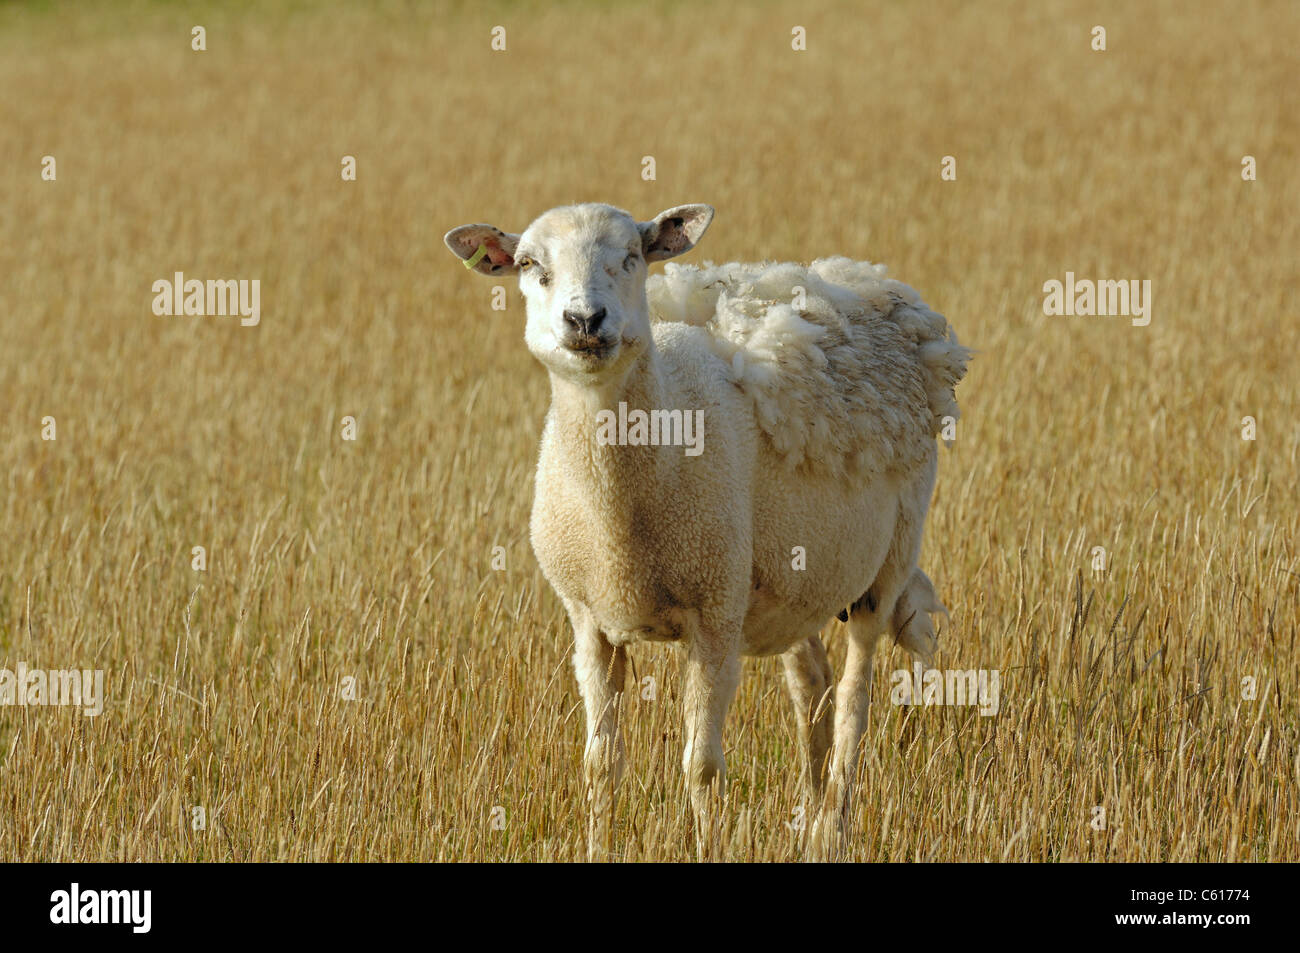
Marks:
<point>476,257</point>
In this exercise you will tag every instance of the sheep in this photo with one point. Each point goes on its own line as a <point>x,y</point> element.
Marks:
<point>822,389</point>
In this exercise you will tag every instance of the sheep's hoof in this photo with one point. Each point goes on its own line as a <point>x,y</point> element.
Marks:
<point>826,839</point>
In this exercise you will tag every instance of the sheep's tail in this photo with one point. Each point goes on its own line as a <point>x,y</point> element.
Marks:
<point>911,623</point>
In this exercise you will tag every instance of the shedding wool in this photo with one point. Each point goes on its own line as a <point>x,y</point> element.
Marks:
<point>850,379</point>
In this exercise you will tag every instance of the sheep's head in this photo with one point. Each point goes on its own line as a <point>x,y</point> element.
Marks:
<point>582,269</point>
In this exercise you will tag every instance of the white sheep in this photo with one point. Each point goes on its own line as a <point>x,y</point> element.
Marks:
<point>821,388</point>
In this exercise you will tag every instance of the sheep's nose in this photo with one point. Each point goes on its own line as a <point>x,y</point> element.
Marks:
<point>584,323</point>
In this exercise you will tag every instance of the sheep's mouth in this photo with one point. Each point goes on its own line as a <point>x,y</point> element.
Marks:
<point>591,347</point>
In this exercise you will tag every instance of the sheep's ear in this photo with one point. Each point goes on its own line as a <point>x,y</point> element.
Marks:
<point>491,250</point>
<point>675,231</point>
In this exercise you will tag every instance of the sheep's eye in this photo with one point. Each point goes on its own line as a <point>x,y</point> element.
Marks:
<point>543,278</point>
<point>630,261</point>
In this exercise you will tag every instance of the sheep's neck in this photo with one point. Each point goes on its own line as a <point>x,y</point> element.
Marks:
<point>623,475</point>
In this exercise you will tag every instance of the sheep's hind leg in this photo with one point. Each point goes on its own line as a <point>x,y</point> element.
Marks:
<point>808,677</point>
<point>852,695</point>
<point>601,670</point>
<point>905,613</point>
<point>867,620</point>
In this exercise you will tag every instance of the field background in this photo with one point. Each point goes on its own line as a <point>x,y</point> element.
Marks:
<point>330,559</point>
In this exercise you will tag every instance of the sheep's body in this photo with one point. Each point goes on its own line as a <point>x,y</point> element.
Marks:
<point>820,433</point>
<point>679,534</point>
<point>822,388</point>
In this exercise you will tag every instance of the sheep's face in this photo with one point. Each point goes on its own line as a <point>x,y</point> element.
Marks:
<point>582,269</point>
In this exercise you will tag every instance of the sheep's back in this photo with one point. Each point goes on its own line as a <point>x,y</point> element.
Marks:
<point>853,380</point>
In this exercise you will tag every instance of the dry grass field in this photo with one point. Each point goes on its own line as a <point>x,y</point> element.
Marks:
<point>330,560</point>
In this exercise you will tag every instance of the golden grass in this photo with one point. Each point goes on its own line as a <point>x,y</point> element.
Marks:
<point>371,559</point>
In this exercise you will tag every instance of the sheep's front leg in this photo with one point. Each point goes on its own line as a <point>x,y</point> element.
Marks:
<point>712,675</point>
<point>601,670</point>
